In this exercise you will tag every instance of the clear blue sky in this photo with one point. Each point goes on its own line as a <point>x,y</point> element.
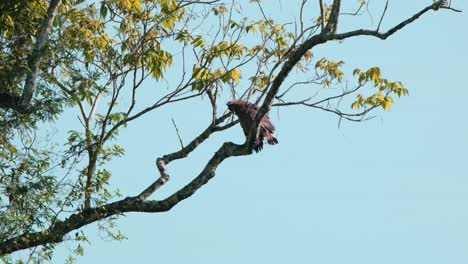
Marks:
<point>391,190</point>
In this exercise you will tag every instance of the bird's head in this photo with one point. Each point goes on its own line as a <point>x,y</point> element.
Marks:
<point>231,105</point>
<point>237,105</point>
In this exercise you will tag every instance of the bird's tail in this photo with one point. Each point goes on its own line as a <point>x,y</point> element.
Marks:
<point>271,139</point>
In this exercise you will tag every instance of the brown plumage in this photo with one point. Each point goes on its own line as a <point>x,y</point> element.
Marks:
<point>246,112</point>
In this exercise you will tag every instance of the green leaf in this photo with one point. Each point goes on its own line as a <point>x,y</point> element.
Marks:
<point>103,11</point>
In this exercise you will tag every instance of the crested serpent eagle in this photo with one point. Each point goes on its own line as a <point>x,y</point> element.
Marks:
<point>246,112</point>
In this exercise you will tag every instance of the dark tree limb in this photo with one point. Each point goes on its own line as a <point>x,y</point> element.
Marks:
<point>315,40</point>
<point>161,163</point>
<point>332,24</point>
<point>57,232</point>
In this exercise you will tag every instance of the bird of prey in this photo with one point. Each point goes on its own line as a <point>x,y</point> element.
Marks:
<point>246,112</point>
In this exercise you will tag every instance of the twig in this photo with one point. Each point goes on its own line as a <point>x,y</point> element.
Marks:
<point>178,135</point>
<point>451,8</point>
<point>322,15</point>
<point>383,14</point>
<point>356,12</point>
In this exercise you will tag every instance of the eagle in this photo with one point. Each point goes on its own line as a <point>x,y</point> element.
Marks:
<point>246,113</point>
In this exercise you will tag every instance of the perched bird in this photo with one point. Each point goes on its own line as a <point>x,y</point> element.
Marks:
<point>246,112</point>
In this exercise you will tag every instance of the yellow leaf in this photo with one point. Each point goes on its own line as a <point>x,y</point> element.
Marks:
<point>261,27</point>
<point>235,75</point>
<point>386,105</point>
<point>355,105</point>
<point>380,97</point>
<point>169,23</point>
<point>200,73</point>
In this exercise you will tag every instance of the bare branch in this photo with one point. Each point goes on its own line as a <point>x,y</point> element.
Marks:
<point>301,15</point>
<point>178,135</point>
<point>162,162</point>
<point>332,23</point>
<point>94,106</point>
<point>298,53</point>
<point>350,117</point>
<point>393,30</point>
<point>355,13</point>
<point>146,110</point>
<point>161,165</point>
<point>383,14</point>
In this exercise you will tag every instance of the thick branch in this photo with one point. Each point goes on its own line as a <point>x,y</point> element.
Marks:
<point>295,56</point>
<point>90,175</point>
<point>56,233</point>
<point>332,24</point>
<point>161,163</point>
<point>37,53</point>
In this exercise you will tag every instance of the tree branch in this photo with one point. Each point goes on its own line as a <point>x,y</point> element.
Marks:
<point>332,24</point>
<point>161,163</point>
<point>36,56</point>
<point>385,35</point>
<point>315,40</point>
<point>383,15</point>
<point>178,135</point>
<point>322,15</point>
<point>56,233</point>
